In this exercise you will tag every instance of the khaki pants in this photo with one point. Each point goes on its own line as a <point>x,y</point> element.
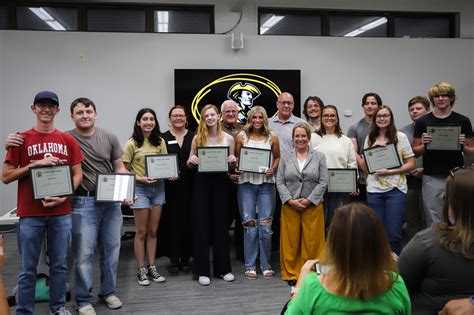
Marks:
<point>301,238</point>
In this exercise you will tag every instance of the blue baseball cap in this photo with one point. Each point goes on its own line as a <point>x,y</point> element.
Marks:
<point>46,96</point>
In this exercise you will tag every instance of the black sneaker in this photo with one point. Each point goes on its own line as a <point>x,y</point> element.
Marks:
<point>154,275</point>
<point>142,276</point>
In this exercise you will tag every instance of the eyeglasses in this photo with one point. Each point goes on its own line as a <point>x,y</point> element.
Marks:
<point>230,111</point>
<point>457,168</point>
<point>382,116</point>
<point>326,116</point>
<point>289,103</point>
<point>178,116</point>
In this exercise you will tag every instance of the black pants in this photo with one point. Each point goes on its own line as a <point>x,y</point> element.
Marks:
<point>178,200</point>
<point>210,220</point>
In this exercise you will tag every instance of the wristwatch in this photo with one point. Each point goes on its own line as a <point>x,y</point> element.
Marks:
<point>471,299</point>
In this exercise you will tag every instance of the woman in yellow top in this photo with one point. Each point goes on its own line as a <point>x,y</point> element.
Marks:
<point>150,193</point>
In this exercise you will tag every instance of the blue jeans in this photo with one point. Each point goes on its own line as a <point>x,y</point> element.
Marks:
<point>390,207</point>
<point>333,201</point>
<point>259,234</point>
<point>95,224</point>
<point>30,235</point>
<point>149,195</point>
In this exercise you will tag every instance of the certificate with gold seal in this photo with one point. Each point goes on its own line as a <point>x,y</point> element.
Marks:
<point>342,180</point>
<point>115,187</point>
<point>213,159</point>
<point>381,157</point>
<point>444,138</point>
<point>254,160</point>
<point>162,166</point>
<point>51,181</point>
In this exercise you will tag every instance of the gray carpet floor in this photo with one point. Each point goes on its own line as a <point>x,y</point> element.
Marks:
<point>180,294</point>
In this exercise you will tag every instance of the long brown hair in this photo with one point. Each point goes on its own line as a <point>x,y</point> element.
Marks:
<point>358,252</point>
<point>458,237</point>
<point>202,132</point>
<point>391,132</point>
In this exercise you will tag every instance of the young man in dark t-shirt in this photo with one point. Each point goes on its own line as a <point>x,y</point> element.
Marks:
<point>438,163</point>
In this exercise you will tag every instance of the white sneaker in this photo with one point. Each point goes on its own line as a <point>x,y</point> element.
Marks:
<point>87,310</point>
<point>61,311</point>
<point>113,302</point>
<point>203,280</point>
<point>228,277</point>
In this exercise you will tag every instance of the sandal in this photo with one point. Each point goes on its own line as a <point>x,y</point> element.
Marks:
<point>268,274</point>
<point>185,266</point>
<point>251,274</point>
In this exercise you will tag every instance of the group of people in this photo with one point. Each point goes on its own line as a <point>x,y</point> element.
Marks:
<point>291,191</point>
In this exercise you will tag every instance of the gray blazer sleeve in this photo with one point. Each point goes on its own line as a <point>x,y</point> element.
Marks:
<point>316,196</point>
<point>280,181</point>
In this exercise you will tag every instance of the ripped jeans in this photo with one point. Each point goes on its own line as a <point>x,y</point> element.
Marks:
<point>256,205</point>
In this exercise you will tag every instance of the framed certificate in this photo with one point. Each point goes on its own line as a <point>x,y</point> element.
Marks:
<point>254,160</point>
<point>381,157</point>
<point>162,166</point>
<point>115,187</point>
<point>342,180</point>
<point>444,138</point>
<point>213,159</point>
<point>9,222</point>
<point>51,181</point>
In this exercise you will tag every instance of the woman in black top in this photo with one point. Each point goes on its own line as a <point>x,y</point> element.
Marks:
<point>177,216</point>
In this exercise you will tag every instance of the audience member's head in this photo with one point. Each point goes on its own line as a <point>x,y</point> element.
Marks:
<point>358,253</point>
<point>456,232</point>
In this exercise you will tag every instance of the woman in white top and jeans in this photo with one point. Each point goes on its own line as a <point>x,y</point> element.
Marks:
<point>258,190</point>
<point>387,188</point>
<point>339,152</point>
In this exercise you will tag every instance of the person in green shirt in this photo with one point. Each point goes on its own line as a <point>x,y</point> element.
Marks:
<point>359,274</point>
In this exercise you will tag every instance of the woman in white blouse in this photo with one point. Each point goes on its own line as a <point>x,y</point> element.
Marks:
<point>339,153</point>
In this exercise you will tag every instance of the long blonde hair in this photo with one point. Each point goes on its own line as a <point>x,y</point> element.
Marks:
<point>458,237</point>
<point>202,131</point>
<point>265,130</point>
<point>358,252</point>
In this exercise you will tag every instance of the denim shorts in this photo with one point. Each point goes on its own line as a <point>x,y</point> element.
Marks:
<point>149,195</point>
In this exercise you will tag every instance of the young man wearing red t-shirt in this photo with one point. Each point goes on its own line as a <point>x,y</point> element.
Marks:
<point>43,146</point>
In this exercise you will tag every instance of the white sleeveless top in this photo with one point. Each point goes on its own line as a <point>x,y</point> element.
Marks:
<point>223,143</point>
<point>253,178</point>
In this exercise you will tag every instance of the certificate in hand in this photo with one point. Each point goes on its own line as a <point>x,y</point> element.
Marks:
<point>213,159</point>
<point>381,157</point>
<point>444,138</point>
<point>115,187</point>
<point>162,166</point>
<point>51,181</point>
<point>342,180</point>
<point>254,160</point>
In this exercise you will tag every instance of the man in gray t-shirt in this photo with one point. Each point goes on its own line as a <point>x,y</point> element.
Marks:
<point>95,223</point>
<point>357,133</point>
